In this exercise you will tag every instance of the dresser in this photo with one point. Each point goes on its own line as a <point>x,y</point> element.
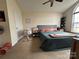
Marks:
<point>75,49</point>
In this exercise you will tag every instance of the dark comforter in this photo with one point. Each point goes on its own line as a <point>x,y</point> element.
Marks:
<point>50,43</point>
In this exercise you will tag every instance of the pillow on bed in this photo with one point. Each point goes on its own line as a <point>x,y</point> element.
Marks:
<point>48,29</point>
<point>43,30</point>
<point>52,29</point>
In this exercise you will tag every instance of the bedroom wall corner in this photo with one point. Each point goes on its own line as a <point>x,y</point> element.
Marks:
<point>69,16</point>
<point>15,20</point>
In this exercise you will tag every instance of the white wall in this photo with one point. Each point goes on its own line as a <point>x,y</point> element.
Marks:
<point>69,16</point>
<point>41,18</point>
<point>5,37</point>
<point>15,19</point>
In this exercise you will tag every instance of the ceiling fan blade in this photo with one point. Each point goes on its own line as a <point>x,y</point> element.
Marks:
<point>51,1</point>
<point>51,4</point>
<point>45,2</point>
<point>59,0</point>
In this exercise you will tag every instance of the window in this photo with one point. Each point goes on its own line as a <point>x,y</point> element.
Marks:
<point>75,23</point>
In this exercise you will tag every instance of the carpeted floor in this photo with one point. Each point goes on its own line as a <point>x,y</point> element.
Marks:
<point>29,49</point>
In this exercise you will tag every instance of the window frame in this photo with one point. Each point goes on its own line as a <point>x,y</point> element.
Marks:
<point>75,23</point>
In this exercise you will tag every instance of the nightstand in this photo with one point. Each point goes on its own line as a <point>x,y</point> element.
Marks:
<point>35,32</point>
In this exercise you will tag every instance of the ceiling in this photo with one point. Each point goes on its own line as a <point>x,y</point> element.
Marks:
<point>37,6</point>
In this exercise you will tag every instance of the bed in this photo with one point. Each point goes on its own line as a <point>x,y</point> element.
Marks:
<point>54,43</point>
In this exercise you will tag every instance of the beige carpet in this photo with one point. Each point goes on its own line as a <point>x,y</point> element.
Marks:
<point>30,50</point>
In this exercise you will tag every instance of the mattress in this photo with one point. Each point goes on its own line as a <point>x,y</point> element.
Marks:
<point>49,43</point>
<point>46,35</point>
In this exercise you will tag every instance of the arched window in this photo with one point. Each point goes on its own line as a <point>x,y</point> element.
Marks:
<point>75,21</point>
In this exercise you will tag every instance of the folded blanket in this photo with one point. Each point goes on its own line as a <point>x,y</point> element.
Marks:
<point>62,35</point>
<point>55,35</point>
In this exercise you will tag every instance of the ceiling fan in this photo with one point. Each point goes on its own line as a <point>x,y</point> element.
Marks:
<point>51,1</point>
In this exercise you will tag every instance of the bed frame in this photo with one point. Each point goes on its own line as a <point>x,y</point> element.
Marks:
<point>54,44</point>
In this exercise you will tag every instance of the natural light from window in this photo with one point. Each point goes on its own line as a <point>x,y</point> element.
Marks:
<point>75,22</point>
